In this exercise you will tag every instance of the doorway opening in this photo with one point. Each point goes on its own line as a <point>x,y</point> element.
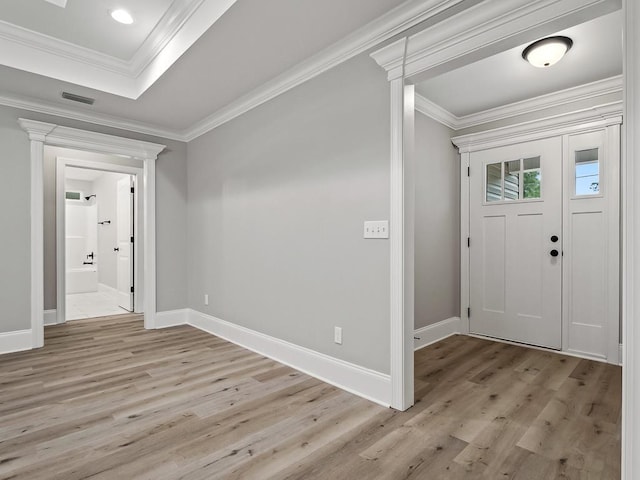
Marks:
<point>99,226</point>
<point>98,234</point>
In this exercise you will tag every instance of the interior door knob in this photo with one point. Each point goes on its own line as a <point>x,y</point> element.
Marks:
<point>553,253</point>
<point>117,249</point>
<point>554,238</point>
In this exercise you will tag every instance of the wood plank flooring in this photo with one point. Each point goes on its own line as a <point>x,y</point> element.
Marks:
<point>105,399</point>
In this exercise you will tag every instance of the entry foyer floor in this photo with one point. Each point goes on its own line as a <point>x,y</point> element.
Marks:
<point>105,399</point>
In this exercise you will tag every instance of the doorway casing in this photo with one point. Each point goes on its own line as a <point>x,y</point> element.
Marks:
<point>61,164</point>
<point>41,134</point>
<point>480,31</point>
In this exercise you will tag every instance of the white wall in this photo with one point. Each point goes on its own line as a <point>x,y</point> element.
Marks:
<point>105,189</point>
<point>437,223</point>
<point>81,227</point>
<point>277,201</point>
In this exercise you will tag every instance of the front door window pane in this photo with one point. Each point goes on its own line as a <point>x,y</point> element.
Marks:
<point>494,182</point>
<point>587,172</point>
<point>512,180</point>
<point>531,177</point>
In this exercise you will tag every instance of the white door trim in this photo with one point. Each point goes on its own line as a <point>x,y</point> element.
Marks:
<point>41,134</point>
<point>61,278</point>
<point>630,196</point>
<point>481,39</point>
<point>466,36</point>
<point>574,122</point>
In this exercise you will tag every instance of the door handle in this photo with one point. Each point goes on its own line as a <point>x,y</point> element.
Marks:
<point>554,238</point>
<point>553,253</point>
<point>117,249</point>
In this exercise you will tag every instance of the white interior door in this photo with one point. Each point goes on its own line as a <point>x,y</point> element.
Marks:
<point>124,249</point>
<point>515,227</point>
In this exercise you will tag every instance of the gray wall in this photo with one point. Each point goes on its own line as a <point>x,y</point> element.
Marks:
<point>171,197</point>
<point>277,201</point>
<point>14,224</point>
<point>437,223</point>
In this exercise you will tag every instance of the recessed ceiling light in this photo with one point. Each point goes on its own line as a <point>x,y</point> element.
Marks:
<point>547,51</point>
<point>122,16</point>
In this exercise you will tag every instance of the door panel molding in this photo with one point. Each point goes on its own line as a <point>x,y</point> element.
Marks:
<point>606,119</point>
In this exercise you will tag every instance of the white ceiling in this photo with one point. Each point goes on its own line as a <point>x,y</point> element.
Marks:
<point>88,23</point>
<point>84,174</point>
<point>250,44</point>
<point>507,78</point>
<point>236,48</point>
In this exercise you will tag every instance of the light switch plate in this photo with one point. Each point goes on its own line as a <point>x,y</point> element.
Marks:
<point>376,229</point>
<point>337,335</point>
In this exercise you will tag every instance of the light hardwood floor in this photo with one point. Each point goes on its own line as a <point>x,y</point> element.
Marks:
<point>105,399</point>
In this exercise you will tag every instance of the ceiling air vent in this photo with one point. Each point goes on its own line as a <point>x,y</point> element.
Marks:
<point>78,98</point>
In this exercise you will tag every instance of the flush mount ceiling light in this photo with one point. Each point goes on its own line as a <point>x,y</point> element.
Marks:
<point>547,51</point>
<point>122,16</point>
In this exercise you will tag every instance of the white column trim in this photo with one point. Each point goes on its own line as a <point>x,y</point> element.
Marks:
<point>149,180</point>
<point>465,300</point>
<point>37,136</point>
<point>631,239</point>
<point>41,134</point>
<point>396,247</point>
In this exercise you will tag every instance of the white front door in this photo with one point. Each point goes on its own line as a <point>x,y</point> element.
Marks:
<point>515,242</point>
<point>124,249</point>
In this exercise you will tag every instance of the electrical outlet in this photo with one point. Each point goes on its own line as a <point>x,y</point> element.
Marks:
<point>376,229</point>
<point>337,335</point>
<point>206,299</point>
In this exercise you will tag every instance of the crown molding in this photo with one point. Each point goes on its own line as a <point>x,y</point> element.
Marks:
<point>385,27</point>
<point>482,30</point>
<point>600,116</point>
<point>542,102</point>
<point>58,3</point>
<point>168,27</point>
<point>563,97</point>
<point>435,111</point>
<point>183,23</point>
<point>90,117</point>
<point>394,22</point>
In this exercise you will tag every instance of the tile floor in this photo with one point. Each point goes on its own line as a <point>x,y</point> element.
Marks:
<point>94,304</point>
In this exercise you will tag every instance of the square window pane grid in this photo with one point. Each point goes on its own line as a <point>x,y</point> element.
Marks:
<point>513,180</point>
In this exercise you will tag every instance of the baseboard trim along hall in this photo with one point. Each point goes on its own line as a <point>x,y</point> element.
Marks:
<point>16,341</point>
<point>50,317</point>
<point>172,318</point>
<point>434,333</point>
<point>358,380</point>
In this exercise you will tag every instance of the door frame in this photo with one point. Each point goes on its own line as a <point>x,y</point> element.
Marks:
<point>558,126</point>
<point>130,199</point>
<point>106,166</point>
<point>41,134</point>
<point>481,30</point>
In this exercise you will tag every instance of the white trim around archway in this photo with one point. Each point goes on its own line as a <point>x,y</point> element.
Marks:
<point>41,134</point>
<point>106,166</point>
<point>477,32</point>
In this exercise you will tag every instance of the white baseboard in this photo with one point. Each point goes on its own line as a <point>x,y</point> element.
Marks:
<point>358,380</point>
<point>102,288</point>
<point>16,341</point>
<point>620,355</point>
<point>172,318</point>
<point>434,333</point>
<point>50,317</point>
